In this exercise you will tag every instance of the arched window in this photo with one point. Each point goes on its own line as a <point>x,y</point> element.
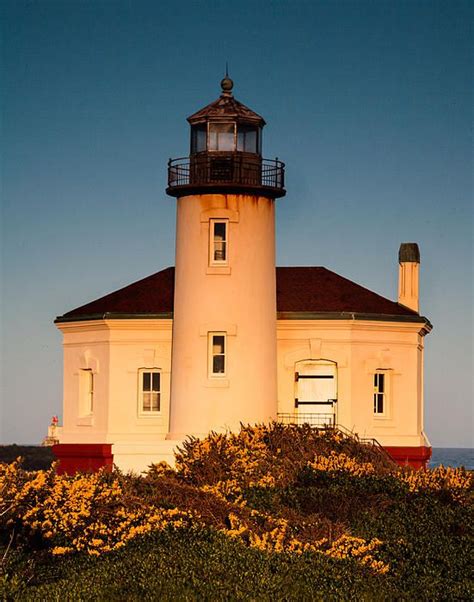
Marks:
<point>86,392</point>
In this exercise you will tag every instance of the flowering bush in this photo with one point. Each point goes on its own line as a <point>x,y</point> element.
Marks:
<point>458,482</point>
<point>85,512</point>
<point>279,490</point>
<point>266,454</point>
<point>341,463</point>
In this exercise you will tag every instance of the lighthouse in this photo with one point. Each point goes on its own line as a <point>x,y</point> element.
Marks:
<point>224,337</point>
<point>223,365</point>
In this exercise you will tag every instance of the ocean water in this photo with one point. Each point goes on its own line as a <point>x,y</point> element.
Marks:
<point>453,456</point>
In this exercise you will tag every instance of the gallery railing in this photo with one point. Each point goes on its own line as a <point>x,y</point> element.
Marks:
<point>232,169</point>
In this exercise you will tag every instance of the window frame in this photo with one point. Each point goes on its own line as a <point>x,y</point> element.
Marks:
<point>141,411</point>
<point>211,354</point>
<point>385,393</point>
<point>212,242</point>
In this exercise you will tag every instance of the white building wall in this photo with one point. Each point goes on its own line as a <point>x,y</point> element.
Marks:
<point>238,299</point>
<point>85,347</point>
<point>115,351</point>
<point>360,348</point>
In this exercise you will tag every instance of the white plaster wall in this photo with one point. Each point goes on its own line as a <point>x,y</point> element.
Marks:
<point>408,284</point>
<point>239,299</point>
<point>360,348</point>
<point>115,350</point>
<point>136,344</point>
<point>85,346</point>
<point>138,457</point>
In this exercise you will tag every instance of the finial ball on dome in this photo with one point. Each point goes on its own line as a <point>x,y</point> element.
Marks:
<point>227,84</point>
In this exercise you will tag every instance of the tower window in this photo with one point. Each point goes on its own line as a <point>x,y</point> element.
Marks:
<point>221,137</point>
<point>380,393</point>
<point>149,391</point>
<point>218,242</point>
<point>217,354</point>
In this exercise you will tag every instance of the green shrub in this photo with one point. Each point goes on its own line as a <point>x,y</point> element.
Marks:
<point>203,565</point>
<point>272,512</point>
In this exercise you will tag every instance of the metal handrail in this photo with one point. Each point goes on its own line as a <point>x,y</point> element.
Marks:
<point>319,420</point>
<point>367,440</point>
<point>226,169</point>
<point>328,422</point>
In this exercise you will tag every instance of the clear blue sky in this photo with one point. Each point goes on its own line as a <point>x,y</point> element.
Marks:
<point>368,103</point>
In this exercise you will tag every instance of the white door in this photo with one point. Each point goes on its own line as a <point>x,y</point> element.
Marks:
<point>316,393</point>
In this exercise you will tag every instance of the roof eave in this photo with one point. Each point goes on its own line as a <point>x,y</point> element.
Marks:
<point>281,315</point>
<point>345,315</point>
<point>114,316</point>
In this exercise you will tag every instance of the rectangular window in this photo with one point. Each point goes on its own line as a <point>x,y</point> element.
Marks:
<point>218,242</point>
<point>380,393</point>
<point>247,139</point>
<point>221,137</point>
<point>198,138</point>
<point>86,392</point>
<point>217,354</point>
<point>149,391</point>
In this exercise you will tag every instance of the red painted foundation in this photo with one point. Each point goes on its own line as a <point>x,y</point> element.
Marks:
<point>83,457</point>
<point>90,457</point>
<point>416,457</point>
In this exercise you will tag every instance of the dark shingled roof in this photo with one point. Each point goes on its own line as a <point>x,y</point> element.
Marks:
<point>307,290</point>
<point>226,107</point>
<point>318,290</point>
<point>151,295</point>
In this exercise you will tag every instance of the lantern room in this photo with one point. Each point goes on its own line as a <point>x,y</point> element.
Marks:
<point>226,153</point>
<point>227,127</point>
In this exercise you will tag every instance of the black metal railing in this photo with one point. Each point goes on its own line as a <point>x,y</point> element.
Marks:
<point>320,420</point>
<point>226,169</point>
<point>370,441</point>
<point>328,421</point>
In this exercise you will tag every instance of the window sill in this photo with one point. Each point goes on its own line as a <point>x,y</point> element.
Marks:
<point>217,383</point>
<point>155,421</point>
<point>85,421</point>
<point>218,270</point>
<point>154,415</point>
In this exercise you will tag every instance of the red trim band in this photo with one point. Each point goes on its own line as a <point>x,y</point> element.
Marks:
<point>83,457</point>
<point>416,457</point>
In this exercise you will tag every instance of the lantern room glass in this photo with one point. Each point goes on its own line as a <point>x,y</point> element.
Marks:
<point>248,139</point>
<point>226,137</point>
<point>198,138</point>
<point>221,137</point>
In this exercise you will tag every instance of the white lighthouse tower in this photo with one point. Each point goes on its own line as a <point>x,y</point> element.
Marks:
<point>224,369</point>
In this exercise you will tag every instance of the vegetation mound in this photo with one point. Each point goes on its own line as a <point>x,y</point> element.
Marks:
<point>280,512</point>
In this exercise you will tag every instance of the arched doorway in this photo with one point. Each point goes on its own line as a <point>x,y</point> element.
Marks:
<point>316,392</point>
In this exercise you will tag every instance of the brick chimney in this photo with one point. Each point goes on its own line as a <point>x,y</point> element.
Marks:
<point>408,280</point>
